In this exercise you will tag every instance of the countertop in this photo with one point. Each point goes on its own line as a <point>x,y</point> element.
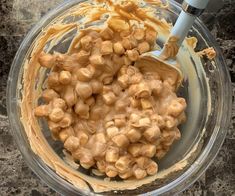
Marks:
<point>17,17</point>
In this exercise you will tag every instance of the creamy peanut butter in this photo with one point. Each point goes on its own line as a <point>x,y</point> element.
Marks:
<point>73,80</point>
<point>208,52</point>
<point>171,48</point>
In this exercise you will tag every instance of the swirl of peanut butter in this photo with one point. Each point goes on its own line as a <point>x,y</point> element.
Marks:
<point>170,48</point>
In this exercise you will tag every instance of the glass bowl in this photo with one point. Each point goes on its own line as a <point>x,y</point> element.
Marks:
<point>207,89</point>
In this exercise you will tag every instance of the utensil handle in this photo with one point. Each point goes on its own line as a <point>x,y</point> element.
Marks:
<point>199,4</point>
<point>190,10</point>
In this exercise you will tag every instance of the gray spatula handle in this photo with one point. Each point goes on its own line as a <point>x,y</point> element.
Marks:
<point>190,10</point>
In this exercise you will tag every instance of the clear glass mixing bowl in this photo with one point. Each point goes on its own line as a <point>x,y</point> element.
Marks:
<point>207,89</point>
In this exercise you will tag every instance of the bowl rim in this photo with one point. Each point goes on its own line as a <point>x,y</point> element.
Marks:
<point>179,184</point>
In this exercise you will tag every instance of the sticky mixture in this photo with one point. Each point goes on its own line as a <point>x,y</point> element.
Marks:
<point>113,117</point>
<point>208,52</point>
<point>110,115</point>
<point>171,48</point>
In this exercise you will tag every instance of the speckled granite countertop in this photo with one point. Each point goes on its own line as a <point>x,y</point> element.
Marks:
<point>16,18</point>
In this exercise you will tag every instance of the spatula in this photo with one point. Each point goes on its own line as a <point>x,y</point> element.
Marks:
<point>162,60</point>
